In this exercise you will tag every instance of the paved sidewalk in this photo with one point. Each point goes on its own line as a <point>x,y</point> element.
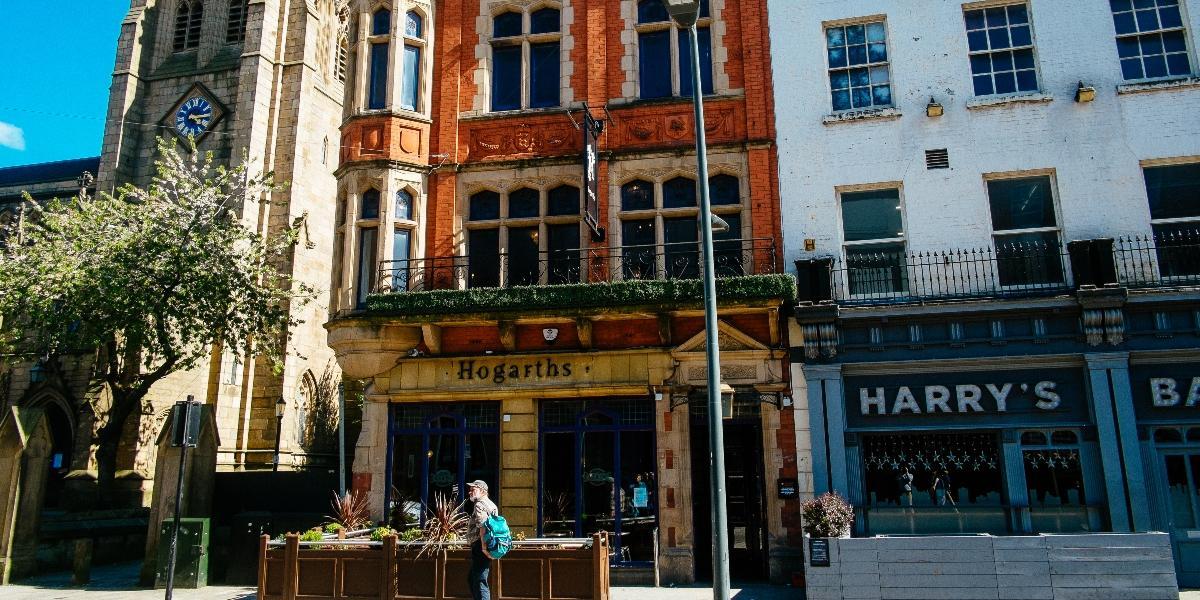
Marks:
<point>119,582</point>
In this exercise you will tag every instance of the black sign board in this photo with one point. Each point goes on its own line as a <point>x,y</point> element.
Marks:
<point>1166,392</point>
<point>591,174</point>
<point>178,420</point>
<point>818,552</point>
<point>1024,397</point>
<point>788,489</point>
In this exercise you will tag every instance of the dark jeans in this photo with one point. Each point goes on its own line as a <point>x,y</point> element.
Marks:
<point>477,576</point>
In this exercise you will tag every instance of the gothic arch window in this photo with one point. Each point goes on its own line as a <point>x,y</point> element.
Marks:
<point>341,57</point>
<point>380,44</point>
<point>235,32</point>
<point>188,16</point>
<point>368,232</point>
<point>414,48</point>
<point>526,59</point>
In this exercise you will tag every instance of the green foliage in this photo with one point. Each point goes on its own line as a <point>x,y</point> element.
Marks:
<point>333,527</point>
<point>151,279</point>
<point>379,533</point>
<point>674,292</point>
<point>312,535</point>
<point>411,535</point>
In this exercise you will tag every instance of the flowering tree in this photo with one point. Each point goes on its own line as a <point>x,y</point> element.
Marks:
<point>150,279</point>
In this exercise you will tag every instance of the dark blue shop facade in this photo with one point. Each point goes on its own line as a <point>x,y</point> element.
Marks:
<point>963,400</point>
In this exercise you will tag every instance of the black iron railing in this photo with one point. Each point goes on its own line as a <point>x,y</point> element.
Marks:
<point>1170,258</point>
<point>578,265</point>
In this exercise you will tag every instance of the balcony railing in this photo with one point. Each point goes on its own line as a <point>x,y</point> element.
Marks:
<point>1016,270</point>
<point>578,265</point>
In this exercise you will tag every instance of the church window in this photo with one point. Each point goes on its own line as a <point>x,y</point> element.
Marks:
<point>188,16</point>
<point>341,58</point>
<point>235,31</point>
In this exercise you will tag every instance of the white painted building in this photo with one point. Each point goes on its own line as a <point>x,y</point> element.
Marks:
<point>911,131</point>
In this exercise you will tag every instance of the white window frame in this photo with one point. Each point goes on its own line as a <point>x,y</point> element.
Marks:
<point>847,245</point>
<point>891,83</point>
<point>1188,49</point>
<point>1031,46</point>
<point>1057,228</point>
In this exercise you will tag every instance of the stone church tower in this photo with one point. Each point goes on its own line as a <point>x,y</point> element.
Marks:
<point>255,80</point>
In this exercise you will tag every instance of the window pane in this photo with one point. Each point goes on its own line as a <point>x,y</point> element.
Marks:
<point>685,61</point>
<point>544,21</point>
<point>563,200</point>
<point>682,252</point>
<point>637,195</point>
<point>1124,23</point>
<point>679,192</point>
<point>377,94</point>
<point>506,77</point>
<point>876,269</point>
<point>654,64</point>
<point>1175,247</point>
<point>1179,492</point>
<point>872,215</point>
<point>413,25</point>
<point>523,203</point>
<point>366,263</point>
<point>404,203</point>
<point>370,205</point>
<point>381,22</point>
<point>1021,203</point>
<point>523,263</point>
<point>407,461</point>
<point>639,496</point>
<point>1054,480</point>
<point>506,25</point>
<point>728,248</point>
<point>1033,438</point>
<point>483,255</point>
<point>563,245</point>
<point>1029,259</point>
<point>543,72</point>
<point>401,246</point>
<point>558,485</point>
<point>652,11</point>
<point>599,493</point>
<point>484,206</point>
<point>723,190</point>
<point>637,249</point>
<point>412,77</point>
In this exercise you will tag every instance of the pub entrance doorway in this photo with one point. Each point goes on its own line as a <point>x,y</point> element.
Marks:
<point>745,497</point>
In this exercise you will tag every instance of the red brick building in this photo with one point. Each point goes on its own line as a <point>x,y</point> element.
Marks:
<point>501,337</point>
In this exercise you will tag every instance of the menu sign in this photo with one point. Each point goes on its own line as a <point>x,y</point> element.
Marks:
<point>818,552</point>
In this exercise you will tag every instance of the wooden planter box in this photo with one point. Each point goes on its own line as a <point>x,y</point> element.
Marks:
<point>390,571</point>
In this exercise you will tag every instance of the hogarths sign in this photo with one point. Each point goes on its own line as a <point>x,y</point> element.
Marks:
<point>514,372</point>
<point>1043,396</point>
<point>1166,392</point>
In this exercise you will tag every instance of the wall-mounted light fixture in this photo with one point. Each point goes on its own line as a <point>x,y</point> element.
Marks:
<point>933,109</point>
<point>1085,93</point>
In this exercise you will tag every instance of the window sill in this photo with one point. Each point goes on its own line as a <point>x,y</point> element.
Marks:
<point>872,114</point>
<point>1176,83</point>
<point>997,101</point>
<point>500,114</point>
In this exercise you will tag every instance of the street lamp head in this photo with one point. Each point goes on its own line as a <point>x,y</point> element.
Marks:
<point>280,404</point>
<point>684,12</point>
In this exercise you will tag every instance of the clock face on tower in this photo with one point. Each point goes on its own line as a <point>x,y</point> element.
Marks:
<point>194,117</point>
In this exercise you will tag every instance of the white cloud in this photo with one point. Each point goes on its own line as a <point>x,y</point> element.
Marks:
<point>12,136</point>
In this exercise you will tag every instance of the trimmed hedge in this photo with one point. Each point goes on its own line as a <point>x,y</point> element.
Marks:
<point>582,295</point>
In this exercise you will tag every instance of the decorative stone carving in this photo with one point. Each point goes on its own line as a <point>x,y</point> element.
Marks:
<point>1103,315</point>
<point>677,127</point>
<point>818,323</point>
<point>502,140</point>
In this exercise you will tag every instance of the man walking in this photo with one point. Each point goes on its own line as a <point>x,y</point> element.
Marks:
<point>481,509</point>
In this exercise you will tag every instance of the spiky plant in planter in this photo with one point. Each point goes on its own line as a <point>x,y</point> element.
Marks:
<point>827,516</point>
<point>445,524</point>
<point>350,510</point>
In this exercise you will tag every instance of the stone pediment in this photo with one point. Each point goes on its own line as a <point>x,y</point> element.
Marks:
<point>729,339</point>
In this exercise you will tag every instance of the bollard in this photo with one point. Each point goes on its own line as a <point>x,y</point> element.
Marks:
<point>81,563</point>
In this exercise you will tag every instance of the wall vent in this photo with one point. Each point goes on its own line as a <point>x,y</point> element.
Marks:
<point>937,159</point>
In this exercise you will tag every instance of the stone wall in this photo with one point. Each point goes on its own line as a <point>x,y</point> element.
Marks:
<point>1093,566</point>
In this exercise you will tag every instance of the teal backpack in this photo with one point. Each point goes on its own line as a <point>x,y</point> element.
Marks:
<point>497,538</point>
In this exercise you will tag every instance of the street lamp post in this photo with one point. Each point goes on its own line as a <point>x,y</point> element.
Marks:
<point>685,13</point>
<point>280,405</point>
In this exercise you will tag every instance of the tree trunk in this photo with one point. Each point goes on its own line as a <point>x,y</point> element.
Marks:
<point>108,444</point>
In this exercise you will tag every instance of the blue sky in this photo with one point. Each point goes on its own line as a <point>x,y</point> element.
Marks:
<point>56,63</point>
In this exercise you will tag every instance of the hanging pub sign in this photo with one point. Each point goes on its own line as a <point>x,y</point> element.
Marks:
<point>1025,397</point>
<point>591,174</point>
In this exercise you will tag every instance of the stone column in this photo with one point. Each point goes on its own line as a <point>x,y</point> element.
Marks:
<point>827,423</point>
<point>1112,405</point>
<point>519,464</point>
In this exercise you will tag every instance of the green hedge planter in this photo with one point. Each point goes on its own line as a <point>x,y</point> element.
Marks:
<point>683,292</point>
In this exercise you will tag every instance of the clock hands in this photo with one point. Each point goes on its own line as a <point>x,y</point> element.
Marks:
<point>198,118</point>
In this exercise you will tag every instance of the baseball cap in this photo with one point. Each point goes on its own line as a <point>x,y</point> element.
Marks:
<point>478,483</point>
